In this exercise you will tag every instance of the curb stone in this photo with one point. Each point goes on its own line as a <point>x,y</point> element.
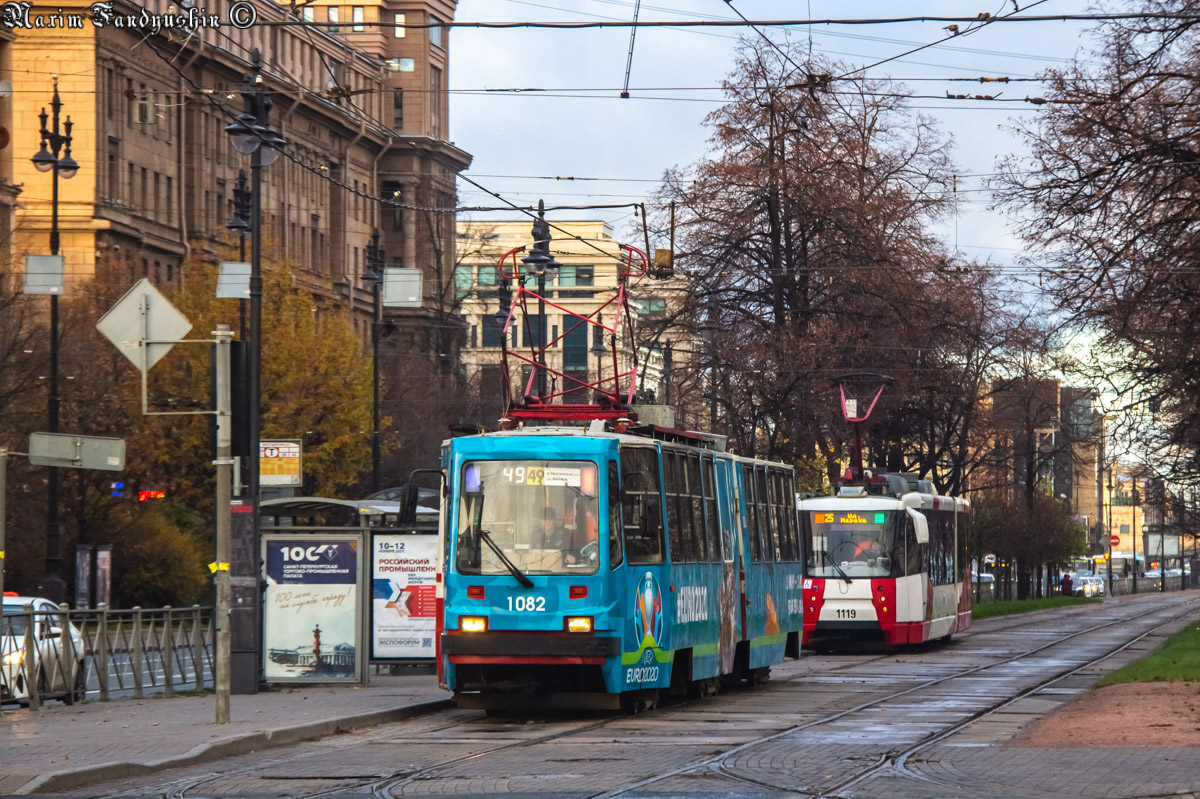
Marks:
<point>69,779</point>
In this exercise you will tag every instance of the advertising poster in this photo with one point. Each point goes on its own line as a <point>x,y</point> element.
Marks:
<point>311,621</point>
<point>83,576</point>
<point>104,575</point>
<point>404,596</point>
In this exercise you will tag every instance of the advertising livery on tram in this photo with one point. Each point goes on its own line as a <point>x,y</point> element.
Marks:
<point>595,569</point>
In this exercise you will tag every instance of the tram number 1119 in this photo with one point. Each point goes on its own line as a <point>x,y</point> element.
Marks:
<point>847,613</point>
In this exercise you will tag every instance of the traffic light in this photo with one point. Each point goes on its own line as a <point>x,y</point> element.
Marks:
<point>118,489</point>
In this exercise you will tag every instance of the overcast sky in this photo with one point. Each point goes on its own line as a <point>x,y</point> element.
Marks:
<point>516,138</point>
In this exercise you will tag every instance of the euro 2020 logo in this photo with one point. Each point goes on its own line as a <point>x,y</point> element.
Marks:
<point>648,613</point>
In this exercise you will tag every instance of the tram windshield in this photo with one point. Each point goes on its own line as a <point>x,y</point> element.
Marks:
<point>535,516</point>
<point>848,543</point>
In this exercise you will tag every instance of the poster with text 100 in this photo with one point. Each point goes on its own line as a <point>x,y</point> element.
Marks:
<point>404,596</point>
<point>311,617</point>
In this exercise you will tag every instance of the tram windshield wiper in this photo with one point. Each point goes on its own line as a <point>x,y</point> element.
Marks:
<point>839,569</point>
<point>512,567</point>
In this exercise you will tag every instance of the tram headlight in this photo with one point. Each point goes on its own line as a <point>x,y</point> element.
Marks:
<point>579,624</point>
<point>14,658</point>
<point>472,624</point>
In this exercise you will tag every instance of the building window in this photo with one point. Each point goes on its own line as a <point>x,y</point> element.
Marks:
<point>575,364</point>
<point>306,14</point>
<point>333,18</point>
<point>435,33</point>
<point>493,330</point>
<point>474,336</point>
<point>399,20</point>
<point>571,276</point>
<point>114,168</point>
<point>356,16</point>
<point>435,101</point>
<point>398,110</point>
<point>463,278</point>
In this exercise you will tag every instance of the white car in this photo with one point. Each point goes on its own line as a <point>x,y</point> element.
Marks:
<point>56,678</point>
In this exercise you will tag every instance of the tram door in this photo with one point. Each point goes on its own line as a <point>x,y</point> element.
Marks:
<point>730,602</point>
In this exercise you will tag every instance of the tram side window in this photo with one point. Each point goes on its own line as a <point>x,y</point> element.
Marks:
<point>700,542</point>
<point>712,521</point>
<point>914,553</point>
<point>640,509</point>
<point>963,531</point>
<point>765,530</point>
<point>941,547</point>
<point>614,516</point>
<point>751,514</point>
<point>783,550</point>
<point>687,522</point>
<point>674,525</point>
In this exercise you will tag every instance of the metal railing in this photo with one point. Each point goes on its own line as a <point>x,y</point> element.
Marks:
<point>107,653</point>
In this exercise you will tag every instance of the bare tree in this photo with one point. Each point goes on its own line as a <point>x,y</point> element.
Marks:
<point>806,241</point>
<point>1112,200</point>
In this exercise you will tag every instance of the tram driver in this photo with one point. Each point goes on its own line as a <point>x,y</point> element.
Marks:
<point>578,547</point>
<point>868,550</point>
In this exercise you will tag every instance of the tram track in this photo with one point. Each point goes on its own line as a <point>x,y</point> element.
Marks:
<point>386,785</point>
<point>719,763</point>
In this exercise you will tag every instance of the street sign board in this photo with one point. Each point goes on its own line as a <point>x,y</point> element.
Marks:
<point>402,287</point>
<point>1114,541</point>
<point>44,274</point>
<point>77,452</point>
<point>279,463</point>
<point>233,280</point>
<point>143,318</point>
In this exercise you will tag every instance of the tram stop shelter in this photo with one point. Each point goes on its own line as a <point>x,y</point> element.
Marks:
<point>347,584</point>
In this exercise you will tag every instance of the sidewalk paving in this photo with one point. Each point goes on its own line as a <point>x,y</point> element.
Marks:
<point>59,747</point>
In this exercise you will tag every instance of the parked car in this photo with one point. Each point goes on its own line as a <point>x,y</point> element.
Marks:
<point>56,678</point>
<point>1153,574</point>
<point>1098,584</point>
<point>983,579</point>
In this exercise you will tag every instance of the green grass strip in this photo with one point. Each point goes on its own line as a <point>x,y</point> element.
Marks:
<point>1007,607</point>
<point>1178,660</point>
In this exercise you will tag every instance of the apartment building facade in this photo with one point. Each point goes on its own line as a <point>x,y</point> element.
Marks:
<point>586,280</point>
<point>157,169</point>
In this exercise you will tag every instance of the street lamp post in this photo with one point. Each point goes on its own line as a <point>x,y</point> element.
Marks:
<point>1110,531</point>
<point>374,275</point>
<point>540,264</point>
<point>251,134</point>
<point>48,160</point>
<point>1133,529</point>
<point>708,334</point>
<point>240,224</point>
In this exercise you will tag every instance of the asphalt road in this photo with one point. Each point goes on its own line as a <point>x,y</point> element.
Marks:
<point>934,721</point>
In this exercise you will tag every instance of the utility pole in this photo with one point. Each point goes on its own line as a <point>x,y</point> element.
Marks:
<point>1133,529</point>
<point>224,463</point>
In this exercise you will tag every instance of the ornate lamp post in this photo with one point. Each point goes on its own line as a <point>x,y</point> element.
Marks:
<point>240,224</point>
<point>374,276</point>
<point>251,134</point>
<point>48,160</point>
<point>540,264</point>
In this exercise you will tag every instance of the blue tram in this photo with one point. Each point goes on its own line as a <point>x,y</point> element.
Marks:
<point>585,568</point>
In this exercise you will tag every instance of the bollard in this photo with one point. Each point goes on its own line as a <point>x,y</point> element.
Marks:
<point>197,649</point>
<point>138,648</point>
<point>102,651</point>
<point>29,661</point>
<point>67,663</point>
<point>166,654</point>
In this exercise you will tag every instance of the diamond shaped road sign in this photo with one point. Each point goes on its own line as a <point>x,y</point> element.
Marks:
<point>143,325</point>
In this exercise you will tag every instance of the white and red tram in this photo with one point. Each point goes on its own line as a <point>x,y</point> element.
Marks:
<point>887,562</point>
